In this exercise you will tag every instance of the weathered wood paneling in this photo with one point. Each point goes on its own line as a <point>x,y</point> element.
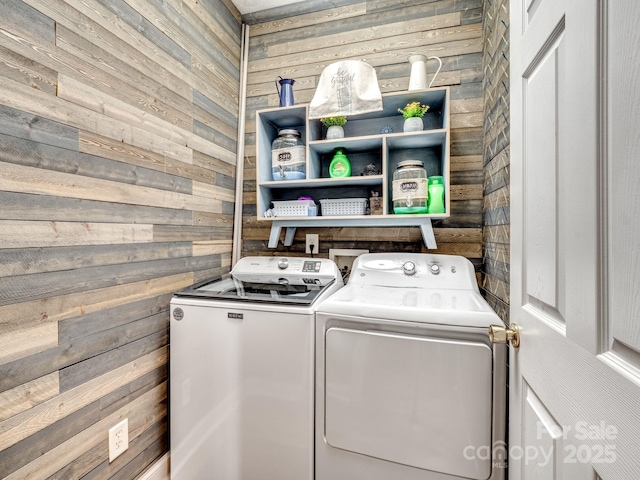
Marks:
<point>128,14</point>
<point>21,18</point>
<point>18,178</point>
<point>22,70</point>
<point>21,206</point>
<point>54,309</point>
<point>142,412</point>
<point>43,260</point>
<point>27,341</point>
<point>308,20</point>
<point>15,123</point>
<point>29,449</point>
<point>495,283</point>
<point>300,40</point>
<point>118,122</point>
<point>35,154</point>
<point>28,395</point>
<point>108,318</point>
<point>28,234</point>
<point>44,285</point>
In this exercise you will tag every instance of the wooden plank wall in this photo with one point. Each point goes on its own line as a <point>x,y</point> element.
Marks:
<point>298,41</point>
<point>118,127</point>
<point>495,280</point>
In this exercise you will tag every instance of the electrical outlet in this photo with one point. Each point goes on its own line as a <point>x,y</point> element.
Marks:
<point>118,439</point>
<point>312,239</point>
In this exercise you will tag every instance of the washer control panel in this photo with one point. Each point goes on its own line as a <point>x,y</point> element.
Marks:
<point>311,266</point>
<point>286,270</point>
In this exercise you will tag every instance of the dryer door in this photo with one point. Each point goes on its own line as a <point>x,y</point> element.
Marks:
<point>419,401</point>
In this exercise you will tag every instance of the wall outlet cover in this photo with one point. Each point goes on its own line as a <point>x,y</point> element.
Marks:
<point>118,439</point>
<point>312,239</point>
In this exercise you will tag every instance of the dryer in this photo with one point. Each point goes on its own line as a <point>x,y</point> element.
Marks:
<point>408,384</point>
<point>242,370</point>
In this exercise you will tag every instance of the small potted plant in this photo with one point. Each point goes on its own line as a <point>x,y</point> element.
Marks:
<point>413,113</point>
<point>334,126</point>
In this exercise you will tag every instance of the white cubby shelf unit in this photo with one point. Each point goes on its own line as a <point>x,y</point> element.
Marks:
<point>372,138</point>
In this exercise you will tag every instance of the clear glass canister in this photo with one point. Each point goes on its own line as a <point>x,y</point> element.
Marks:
<point>410,187</point>
<point>288,160</point>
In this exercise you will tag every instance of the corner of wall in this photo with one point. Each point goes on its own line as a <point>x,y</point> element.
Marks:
<point>495,212</point>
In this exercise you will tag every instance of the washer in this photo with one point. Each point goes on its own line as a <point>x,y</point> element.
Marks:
<point>408,384</point>
<point>242,370</point>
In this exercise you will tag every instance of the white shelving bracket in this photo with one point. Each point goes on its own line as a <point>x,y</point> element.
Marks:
<point>276,229</point>
<point>427,234</point>
<point>288,236</point>
<point>274,236</point>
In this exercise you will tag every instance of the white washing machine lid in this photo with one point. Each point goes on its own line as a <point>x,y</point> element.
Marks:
<point>420,305</point>
<point>229,288</point>
<point>281,280</point>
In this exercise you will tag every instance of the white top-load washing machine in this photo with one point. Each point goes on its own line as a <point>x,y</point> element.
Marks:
<point>242,371</point>
<point>408,384</point>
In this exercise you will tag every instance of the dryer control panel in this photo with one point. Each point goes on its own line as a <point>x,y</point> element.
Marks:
<point>414,270</point>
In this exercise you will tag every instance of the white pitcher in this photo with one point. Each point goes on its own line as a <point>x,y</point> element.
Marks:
<point>418,78</point>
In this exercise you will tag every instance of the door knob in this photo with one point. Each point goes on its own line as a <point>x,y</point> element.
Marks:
<point>500,334</point>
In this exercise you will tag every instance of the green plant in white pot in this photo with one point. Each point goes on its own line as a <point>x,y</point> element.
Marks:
<point>413,113</point>
<point>334,126</point>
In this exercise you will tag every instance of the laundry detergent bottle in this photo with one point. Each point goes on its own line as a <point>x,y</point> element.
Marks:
<point>436,194</point>
<point>340,166</point>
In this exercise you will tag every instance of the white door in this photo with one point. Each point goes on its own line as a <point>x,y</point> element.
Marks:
<point>575,226</point>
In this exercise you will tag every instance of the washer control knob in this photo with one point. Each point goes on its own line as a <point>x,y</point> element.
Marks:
<point>434,268</point>
<point>283,263</point>
<point>409,268</point>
